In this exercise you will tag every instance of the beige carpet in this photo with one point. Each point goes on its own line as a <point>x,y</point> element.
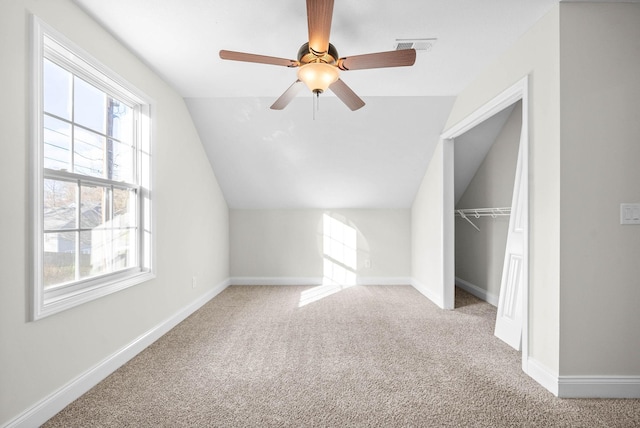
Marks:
<point>363,357</point>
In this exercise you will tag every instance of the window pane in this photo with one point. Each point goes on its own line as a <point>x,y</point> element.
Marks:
<point>119,121</point>
<point>88,153</point>
<point>95,246</point>
<point>124,249</point>
<point>124,208</point>
<point>94,206</point>
<point>89,105</point>
<point>57,90</point>
<point>122,161</point>
<point>59,258</point>
<point>59,204</point>
<point>57,144</point>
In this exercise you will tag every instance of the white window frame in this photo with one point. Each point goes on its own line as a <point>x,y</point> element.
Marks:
<point>51,44</point>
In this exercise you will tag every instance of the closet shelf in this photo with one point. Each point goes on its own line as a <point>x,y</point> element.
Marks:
<point>465,213</point>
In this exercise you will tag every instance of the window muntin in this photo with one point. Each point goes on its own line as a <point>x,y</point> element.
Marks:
<point>92,226</point>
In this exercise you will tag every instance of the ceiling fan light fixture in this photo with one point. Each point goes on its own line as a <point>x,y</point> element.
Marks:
<point>319,63</point>
<point>318,76</point>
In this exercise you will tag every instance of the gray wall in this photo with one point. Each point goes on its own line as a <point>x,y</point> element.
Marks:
<point>535,54</point>
<point>583,158</point>
<point>600,157</point>
<point>427,219</point>
<point>276,245</point>
<point>480,255</point>
<point>191,220</point>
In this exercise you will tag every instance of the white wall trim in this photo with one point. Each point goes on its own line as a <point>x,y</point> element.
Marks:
<point>448,229</point>
<point>46,408</point>
<point>543,376</point>
<point>501,101</point>
<point>313,281</point>
<point>584,386</point>
<point>477,291</point>
<point>424,290</point>
<point>275,280</point>
<point>374,280</point>
<point>599,387</point>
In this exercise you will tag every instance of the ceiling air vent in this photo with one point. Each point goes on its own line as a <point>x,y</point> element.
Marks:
<point>420,45</point>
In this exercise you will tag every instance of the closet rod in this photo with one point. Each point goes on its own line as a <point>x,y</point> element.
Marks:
<point>482,212</point>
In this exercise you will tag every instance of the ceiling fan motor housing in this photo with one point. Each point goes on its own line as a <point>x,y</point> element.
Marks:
<point>306,55</point>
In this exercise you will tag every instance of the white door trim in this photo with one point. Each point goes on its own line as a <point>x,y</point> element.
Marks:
<point>518,91</point>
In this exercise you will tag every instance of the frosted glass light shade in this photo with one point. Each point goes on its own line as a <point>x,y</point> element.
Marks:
<point>318,75</point>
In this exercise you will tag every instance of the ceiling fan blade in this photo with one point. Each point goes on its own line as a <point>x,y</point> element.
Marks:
<point>288,95</point>
<point>262,59</point>
<point>399,58</point>
<point>347,96</point>
<point>319,14</point>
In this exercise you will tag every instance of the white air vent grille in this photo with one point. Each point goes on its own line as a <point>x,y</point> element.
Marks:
<point>404,45</point>
<point>423,45</point>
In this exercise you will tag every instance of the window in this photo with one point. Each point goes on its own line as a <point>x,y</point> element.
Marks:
<point>91,190</point>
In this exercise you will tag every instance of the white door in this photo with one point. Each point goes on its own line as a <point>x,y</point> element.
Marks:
<point>510,304</point>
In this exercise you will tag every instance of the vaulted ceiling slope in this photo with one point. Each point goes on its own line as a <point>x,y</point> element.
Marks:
<point>372,158</point>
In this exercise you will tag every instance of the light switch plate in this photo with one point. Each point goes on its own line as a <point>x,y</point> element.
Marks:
<point>629,213</point>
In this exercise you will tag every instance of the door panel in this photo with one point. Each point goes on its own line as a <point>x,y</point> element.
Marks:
<point>509,318</point>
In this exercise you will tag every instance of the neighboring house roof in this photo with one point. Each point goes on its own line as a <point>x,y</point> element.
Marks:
<point>61,218</point>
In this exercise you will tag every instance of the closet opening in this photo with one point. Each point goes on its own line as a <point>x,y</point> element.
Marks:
<point>487,241</point>
<point>485,160</point>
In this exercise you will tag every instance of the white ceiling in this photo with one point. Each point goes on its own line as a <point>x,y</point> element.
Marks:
<point>371,158</point>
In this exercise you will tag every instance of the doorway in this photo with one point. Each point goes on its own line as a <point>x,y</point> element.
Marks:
<point>519,276</point>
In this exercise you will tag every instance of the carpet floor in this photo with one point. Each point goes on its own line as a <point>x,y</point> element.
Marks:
<point>366,356</point>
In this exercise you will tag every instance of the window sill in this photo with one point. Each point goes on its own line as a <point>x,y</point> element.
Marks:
<point>59,303</point>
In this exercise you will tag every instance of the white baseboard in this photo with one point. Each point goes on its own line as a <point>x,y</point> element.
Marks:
<point>273,280</point>
<point>599,386</point>
<point>424,290</point>
<point>477,291</point>
<point>373,280</point>
<point>584,386</point>
<point>46,408</point>
<point>543,376</point>
<point>311,281</point>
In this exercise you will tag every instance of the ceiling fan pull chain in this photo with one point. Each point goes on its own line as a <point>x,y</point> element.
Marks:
<point>316,104</point>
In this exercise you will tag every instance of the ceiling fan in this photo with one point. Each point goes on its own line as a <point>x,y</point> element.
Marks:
<point>319,63</point>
